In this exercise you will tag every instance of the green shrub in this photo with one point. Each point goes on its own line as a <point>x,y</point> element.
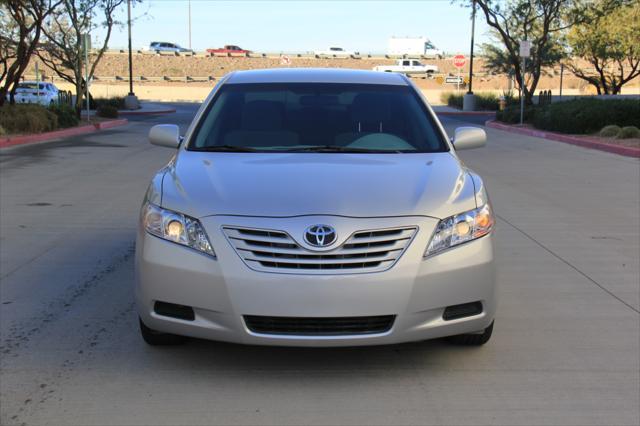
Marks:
<point>511,114</point>
<point>117,102</point>
<point>452,99</point>
<point>67,116</point>
<point>629,132</point>
<point>583,116</point>
<point>486,102</point>
<point>107,111</point>
<point>2,131</point>
<point>27,118</point>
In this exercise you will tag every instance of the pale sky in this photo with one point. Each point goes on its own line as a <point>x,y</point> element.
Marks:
<point>299,26</point>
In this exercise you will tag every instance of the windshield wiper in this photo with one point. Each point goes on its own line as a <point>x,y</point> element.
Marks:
<point>338,148</point>
<point>225,148</point>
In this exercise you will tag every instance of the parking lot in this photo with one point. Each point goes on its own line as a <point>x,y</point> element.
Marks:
<point>565,348</point>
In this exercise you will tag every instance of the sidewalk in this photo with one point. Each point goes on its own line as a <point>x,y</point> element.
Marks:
<point>146,108</point>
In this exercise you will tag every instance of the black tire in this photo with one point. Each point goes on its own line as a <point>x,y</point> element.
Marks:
<point>475,339</point>
<point>156,338</point>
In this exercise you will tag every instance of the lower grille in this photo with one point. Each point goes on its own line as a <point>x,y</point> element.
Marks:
<point>319,326</point>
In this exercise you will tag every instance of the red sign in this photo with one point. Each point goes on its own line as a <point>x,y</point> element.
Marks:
<point>459,61</point>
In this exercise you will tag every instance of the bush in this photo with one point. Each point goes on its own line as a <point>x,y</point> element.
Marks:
<point>2,131</point>
<point>484,101</point>
<point>27,118</point>
<point>67,116</point>
<point>610,131</point>
<point>107,111</point>
<point>117,102</point>
<point>452,99</point>
<point>511,114</point>
<point>582,116</point>
<point>629,132</point>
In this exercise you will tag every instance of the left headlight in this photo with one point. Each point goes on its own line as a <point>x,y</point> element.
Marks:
<point>461,228</point>
<point>176,227</point>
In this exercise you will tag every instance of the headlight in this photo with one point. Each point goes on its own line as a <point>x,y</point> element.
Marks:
<point>176,227</point>
<point>460,228</point>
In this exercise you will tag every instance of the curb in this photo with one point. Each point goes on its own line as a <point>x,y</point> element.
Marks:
<point>155,112</point>
<point>480,113</point>
<point>57,134</point>
<point>584,142</point>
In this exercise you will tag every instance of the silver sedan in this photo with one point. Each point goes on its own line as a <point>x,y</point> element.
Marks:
<point>310,207</point>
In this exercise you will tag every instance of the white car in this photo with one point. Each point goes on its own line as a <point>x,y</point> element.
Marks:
<point>32,92</point>
<point>408,67</point>
<point>315,207</point>
<point>337,52</point>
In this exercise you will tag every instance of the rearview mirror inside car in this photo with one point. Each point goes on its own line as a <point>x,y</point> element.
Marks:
<point>469,138</point>
<point>167,135</point>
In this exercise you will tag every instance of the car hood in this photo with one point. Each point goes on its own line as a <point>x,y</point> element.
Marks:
<point>293,184</point>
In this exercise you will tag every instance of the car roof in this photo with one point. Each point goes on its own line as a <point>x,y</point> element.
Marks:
<point>316,75</point>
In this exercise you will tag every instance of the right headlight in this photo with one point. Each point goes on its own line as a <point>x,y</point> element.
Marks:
<point>461,228</point>
<point>176,227</point>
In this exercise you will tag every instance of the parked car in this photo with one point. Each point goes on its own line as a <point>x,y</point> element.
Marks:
<point>409,67</point>
<point>162,46</point>
<point>32,92</point>
<point>335,52</point>
<point>228,49</point>
<point>315,208</point>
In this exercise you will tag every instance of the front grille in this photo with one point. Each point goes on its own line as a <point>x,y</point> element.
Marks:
<point>364,251</point>
<point>319,326</point>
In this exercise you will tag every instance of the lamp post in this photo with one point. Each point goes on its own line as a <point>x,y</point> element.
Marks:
<point>469,99</point>
<point>189,24</point>
<point>131,100</point>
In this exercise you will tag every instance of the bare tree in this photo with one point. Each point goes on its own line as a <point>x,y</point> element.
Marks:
<point>544,23</point>
<point>25,18</point>
<point>62,50</point>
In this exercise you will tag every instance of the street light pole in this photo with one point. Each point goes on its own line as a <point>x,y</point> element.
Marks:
<point>473,30</point>
<point>469,99</point>
<point>189,24</point>
<point>130,51</point>
<point>131,100</point>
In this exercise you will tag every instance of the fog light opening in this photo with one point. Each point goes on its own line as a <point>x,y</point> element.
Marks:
<point>462,311</point>
<point>174,311</point>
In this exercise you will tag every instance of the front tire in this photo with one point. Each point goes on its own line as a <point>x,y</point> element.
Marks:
<point>157,338</point>
<point>472,339</point>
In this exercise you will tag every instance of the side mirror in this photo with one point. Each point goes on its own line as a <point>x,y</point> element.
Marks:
<point>167,135</point>
<point>469,138</point>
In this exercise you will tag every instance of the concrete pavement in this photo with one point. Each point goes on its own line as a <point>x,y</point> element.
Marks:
<point>565,348</point>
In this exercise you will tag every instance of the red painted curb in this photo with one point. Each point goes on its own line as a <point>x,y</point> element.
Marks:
<point>162,111</point>
<point>57,134</point>
<point>584,142</point>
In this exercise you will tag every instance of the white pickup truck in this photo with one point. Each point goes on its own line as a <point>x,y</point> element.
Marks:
<point>408,67</point>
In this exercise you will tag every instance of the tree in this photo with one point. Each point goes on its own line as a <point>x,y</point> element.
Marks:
<point>544,23</point>
<point>62,50</point>
<point>24,20</point>
<point>611,44</point>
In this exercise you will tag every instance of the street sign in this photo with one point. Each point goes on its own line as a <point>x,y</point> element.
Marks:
<point>459,61</point>
<point>525,48</point>
<point>86,43</point>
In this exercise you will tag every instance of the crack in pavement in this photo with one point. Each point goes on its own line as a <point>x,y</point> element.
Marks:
<point>569,264</point>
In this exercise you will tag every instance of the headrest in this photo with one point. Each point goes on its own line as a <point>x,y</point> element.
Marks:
<point>262,115</point>
<point>370,108</point>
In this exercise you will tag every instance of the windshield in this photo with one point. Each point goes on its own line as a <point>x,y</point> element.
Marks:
<point>317,117</point>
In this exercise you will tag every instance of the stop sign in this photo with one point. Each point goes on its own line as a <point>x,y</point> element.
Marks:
<point>459,61</point>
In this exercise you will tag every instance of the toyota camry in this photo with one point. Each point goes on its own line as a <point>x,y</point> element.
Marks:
<point>315,207</point>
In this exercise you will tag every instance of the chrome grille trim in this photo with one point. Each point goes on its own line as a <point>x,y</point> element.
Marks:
<point>364,251</point>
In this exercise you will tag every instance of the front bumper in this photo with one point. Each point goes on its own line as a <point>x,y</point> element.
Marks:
<point>222,290</point>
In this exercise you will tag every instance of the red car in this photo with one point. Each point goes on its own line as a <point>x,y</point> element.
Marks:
<point>228,49</point>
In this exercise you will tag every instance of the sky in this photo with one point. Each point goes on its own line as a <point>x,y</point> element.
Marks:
<point>300,26</point>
